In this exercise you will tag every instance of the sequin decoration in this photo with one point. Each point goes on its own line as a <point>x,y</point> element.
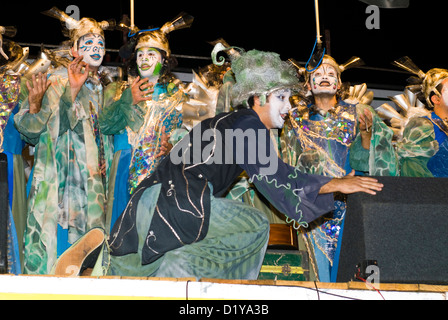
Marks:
<point>323,137</point>
<point>339,124</point>
<point>327,235</point>
<point>325,141</point>
<point>9,95</point>
<point>146,143</point>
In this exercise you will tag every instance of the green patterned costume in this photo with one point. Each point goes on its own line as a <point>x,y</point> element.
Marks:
<point>67,188</point>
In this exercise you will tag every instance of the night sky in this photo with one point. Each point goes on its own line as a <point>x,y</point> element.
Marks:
<point>287,28</point>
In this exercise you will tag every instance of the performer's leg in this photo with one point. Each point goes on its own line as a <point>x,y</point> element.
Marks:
<point>234,247</point>
<point>131,264</point>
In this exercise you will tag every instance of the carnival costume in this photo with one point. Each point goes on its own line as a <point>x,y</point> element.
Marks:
<point>329,144</point>
<point>189,230</point>
<point>421,135</point>
<point>11,147</point>
<point>138,129</point>
<point>176,223</point>
<point>68,190</point>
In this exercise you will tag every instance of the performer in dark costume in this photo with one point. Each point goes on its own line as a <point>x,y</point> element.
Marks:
<point>176,224</point>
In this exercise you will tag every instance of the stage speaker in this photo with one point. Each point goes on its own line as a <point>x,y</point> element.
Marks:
<point>402,232</point>
<point>4,213</point>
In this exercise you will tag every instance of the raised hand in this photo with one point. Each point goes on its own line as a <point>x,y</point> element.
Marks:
<point>165,145</point>
<point>77,76</point>
<point>351,184</point>
<point>365,121</point>
<point>139,92</point>
<point>365,125</point>
<point>37,86</point>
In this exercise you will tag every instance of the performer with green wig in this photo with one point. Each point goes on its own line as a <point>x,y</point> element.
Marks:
<point>178,225</point>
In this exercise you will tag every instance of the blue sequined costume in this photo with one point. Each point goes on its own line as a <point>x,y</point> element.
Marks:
<point>12,145</point>
<point>330,144</point>
<point>438,165</point>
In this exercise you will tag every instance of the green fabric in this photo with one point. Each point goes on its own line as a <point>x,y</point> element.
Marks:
<point>19,204</point>
<point>110,192</point>
<point>233,248</point>
<point>120,112</point>
<point>83,186</point>
<point>243,190</point>
<point>42,130</point>
<point>380,159</point>
<point>416,148</point>
<point>68,188</point>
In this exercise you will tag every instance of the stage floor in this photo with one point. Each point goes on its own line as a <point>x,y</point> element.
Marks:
<point>119,288</point>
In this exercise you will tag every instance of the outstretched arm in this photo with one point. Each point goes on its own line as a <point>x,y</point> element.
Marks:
<point>351,184</point>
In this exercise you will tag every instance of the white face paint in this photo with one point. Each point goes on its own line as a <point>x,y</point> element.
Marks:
<point>279,107</point>
<point>445,92</point>
<point>92,49</point>
<point>149,62</point>
<point>324,80</point>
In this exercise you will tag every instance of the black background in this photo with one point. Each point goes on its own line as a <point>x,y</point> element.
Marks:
<point>287,28</point>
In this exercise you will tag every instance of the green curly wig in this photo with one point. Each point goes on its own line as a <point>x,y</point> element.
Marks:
<point>259,73</point>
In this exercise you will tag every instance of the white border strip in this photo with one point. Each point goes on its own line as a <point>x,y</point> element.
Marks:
<point>46,287</point>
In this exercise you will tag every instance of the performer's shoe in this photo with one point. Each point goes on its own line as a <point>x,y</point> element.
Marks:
<point>81,255</point>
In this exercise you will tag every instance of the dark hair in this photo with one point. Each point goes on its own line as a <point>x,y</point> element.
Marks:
<point>13,51</point>
<point>251,101</point>
<point>169,63</point>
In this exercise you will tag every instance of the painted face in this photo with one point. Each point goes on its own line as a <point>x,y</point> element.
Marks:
<point>279,107</point>
<point>445,92</point>
<point>324,80</point>
<point>149,62</point>
<point>92,49</point>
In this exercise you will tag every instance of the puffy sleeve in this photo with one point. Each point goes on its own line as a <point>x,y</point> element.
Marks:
<point>31,126</point>
<point>380,159</point>
<point>118,114</point>
<point>417,147</point>
<point>293,193</point>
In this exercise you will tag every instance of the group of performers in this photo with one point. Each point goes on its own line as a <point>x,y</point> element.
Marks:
<point>104,180</point>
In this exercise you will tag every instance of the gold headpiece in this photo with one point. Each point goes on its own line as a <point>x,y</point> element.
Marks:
<point>158,38</point>
<point>80,28</point>
<point>429,80</point>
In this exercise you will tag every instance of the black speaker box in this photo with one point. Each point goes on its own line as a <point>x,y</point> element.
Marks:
<point>403,230</point>
<point>4,212</point>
